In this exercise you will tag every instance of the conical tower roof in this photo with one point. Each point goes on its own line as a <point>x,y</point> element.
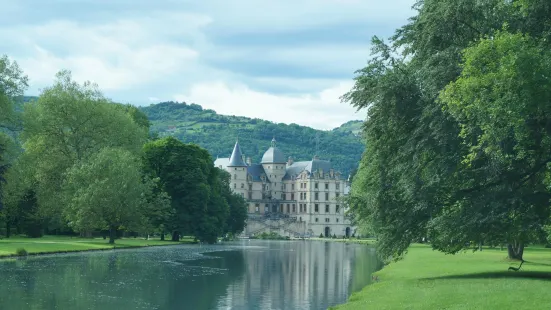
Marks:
<point>236,159</point>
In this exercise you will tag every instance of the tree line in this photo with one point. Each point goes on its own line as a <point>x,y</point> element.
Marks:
<point>74,161</point>
<point>458,128</point>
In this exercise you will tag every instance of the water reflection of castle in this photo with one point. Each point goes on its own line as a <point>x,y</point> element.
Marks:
<point>297,275</point>
<point>288,197</point>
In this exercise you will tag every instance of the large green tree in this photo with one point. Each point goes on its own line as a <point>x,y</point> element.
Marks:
<point>12,85</point>
<point>69,123</point>
<point>198,190</point>
<point>502,104</point>
<point>106,192</point>
<point>420,175</point>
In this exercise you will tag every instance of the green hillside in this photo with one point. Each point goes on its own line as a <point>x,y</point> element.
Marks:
<point>217,133</point>
<point>354,127</point>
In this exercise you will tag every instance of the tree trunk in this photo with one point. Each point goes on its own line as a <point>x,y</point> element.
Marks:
<point>515,250</point>
<point>163,236</point>
<point>8,229</point>
<point>175,236</point>
<point>112,234</point>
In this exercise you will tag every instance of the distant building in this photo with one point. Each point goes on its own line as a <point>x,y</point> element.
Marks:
<point>292,198</point>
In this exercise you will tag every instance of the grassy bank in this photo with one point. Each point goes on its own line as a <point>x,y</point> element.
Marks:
<point>351,240</point>
<point>427,279</point>
<point>61,244</point>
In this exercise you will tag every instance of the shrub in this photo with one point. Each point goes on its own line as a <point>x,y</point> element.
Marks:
<point>21,252</point>
<point>321,235</point>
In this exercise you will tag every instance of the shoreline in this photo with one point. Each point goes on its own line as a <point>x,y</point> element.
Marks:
<point>428,279</point>
<point>3,256</point>
<point>52,245</point>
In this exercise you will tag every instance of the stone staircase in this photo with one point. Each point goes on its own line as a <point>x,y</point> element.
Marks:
<point>282,223</point>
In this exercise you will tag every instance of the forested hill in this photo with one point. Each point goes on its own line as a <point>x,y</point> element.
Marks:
<point>217,133</point>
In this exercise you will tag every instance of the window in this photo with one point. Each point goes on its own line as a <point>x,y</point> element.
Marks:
<point>294,208</point>
<point>242,185</point>
<point>326,196</point>
<point>326,208</point>
<point>293,186</point>
<point>337,195</point>
<point>292,196</point>
<point>338,185</point>
<point>288,208</point>
<point>250,195</point>
<point>283,196</point>
<point>257,208</point>
<point>316,185</point>
<point>316,196</point>
<point>326,220</point>
<point>284,186</point>
<point>326,185</point>
<point>337,220</point>
<point>266,208</point>
<point>337,209</point>
<point>300,219</point>
<point>250,187</point>
<point>234,185</point>
<point>235,176</point>
<point>316,219</point>
<point>316,208</point>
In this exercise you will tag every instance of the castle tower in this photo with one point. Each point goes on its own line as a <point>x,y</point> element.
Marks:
<point>238,171</point>
<point>274,163</point>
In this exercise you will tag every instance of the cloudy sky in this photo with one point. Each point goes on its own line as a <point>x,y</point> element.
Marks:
<point>282,60</point>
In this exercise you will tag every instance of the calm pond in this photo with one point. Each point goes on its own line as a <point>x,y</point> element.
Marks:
<point>236,275</point>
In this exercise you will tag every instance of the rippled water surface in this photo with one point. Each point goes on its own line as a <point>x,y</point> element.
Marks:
<point>239,275</point>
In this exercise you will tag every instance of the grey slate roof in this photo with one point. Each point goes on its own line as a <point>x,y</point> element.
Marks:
<point>221,162</point>
<point>255,171</point>
<point>313,165</point>
<point>236,159</point>
<point>273,156</point>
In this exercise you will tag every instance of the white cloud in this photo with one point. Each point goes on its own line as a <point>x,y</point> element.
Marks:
<point>118,55</point>
<point>247,16</point>
<point>138,51</point>
<point>322,110</point>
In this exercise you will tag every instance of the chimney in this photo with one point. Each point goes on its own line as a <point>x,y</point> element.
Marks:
<point>249,162</point>
<point>290,161</point>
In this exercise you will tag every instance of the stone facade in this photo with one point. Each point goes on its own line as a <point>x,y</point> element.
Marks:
<point>291,198</point>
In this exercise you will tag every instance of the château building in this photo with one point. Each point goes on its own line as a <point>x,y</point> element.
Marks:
<point>302,198</point>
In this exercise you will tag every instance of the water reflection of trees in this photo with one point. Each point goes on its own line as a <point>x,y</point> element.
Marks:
<point>115,281</point>
<point>277,275</point>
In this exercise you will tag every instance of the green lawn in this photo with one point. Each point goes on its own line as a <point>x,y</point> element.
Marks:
<point>428,279</point>
<point>48,244</point>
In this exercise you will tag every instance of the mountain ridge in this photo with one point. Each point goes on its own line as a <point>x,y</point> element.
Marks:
<point>217,133</point>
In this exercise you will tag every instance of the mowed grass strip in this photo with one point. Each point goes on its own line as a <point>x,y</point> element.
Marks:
<point>428,279</point>
<point>56,244</point>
